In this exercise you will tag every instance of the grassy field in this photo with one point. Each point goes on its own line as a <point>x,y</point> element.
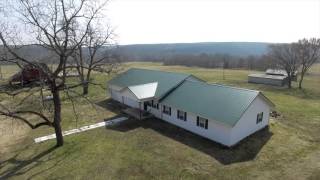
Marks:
<point>153,149</point>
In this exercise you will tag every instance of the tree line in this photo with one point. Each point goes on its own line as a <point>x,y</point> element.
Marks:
<point>220,61</point>
<point>297,57</point>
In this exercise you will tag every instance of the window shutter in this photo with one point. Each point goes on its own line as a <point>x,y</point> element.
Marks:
<point>177,114</point>
<point>185,116</point>
<point>206,126</point>
<point>197,120</point>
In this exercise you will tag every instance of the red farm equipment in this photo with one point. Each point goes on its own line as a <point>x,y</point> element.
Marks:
<point>29,73</point>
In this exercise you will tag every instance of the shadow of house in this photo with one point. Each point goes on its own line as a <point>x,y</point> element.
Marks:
<point>112,105</point>
<point>245,150</point>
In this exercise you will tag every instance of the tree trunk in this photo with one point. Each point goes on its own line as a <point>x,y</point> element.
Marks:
<point>301,79</point>
<point>289,82</point>
<point>86,82</point>
<point>85,88</point>
<point>57,117</point>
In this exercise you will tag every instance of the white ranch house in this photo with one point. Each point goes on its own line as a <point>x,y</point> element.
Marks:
<point>220,113</point>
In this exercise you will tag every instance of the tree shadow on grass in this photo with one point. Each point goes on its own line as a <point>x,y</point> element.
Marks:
<point>244,151</point>
<point>6,87</point>
<point>20,166</point>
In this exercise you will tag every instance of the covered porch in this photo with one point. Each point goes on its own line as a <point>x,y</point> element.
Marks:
<point>138,98</point>
<point>137,113</point>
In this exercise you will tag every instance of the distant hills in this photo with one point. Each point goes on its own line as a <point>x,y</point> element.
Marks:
<point>160,51</point>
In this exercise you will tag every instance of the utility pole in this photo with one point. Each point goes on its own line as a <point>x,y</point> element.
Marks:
<point>0,73</point>
<point>223,77</point>
<point>223,66</point>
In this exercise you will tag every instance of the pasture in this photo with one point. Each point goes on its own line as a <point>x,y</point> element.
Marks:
<point>154,149</point>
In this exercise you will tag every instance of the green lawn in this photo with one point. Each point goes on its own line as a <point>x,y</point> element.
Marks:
<point>288,149</point>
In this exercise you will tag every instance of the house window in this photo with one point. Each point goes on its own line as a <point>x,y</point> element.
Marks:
<point>182,115</point>
<point>259,117</point>
<point>166,110</point>
<point>202,122</point>
<point>154,105</point>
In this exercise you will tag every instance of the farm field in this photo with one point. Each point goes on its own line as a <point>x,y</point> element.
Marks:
<point>154,149</point>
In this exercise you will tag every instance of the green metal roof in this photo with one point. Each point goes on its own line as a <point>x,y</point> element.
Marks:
<point>213,101</point>
<point>166,80</point>
<point>221,103</point>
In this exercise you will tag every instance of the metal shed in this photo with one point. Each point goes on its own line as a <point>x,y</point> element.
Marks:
<point>273,80</point>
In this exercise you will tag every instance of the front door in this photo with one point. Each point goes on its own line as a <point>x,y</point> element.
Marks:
<point>145,106</point>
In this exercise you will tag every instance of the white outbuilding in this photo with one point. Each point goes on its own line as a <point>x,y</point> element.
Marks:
<point>220,113</point>
<point>274,77</point>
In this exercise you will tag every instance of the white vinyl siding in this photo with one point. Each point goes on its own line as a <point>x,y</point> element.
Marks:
<point>124,97</point>
<point>248,122</point>
<point>116,95</point>
<point>216,131</point>
<point>131,102</point>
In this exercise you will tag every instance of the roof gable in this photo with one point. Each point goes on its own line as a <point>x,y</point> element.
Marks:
<point>144,91</point>
<point>221,103</point>
<point>166,80</point>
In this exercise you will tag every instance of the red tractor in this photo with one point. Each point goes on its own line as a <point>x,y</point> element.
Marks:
<point>29,73</point>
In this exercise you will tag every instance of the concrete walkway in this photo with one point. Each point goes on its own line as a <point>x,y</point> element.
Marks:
<point>82,129</point>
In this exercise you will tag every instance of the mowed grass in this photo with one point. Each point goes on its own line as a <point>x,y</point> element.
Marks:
<point>153,149</point>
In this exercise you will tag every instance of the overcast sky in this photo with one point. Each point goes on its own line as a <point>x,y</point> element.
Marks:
<point>173,21</point>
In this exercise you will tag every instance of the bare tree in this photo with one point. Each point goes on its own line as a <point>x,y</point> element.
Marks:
<point>95,53</point>
<point>309,53</point>
<point>50,25</point>
<point>286,57</point>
